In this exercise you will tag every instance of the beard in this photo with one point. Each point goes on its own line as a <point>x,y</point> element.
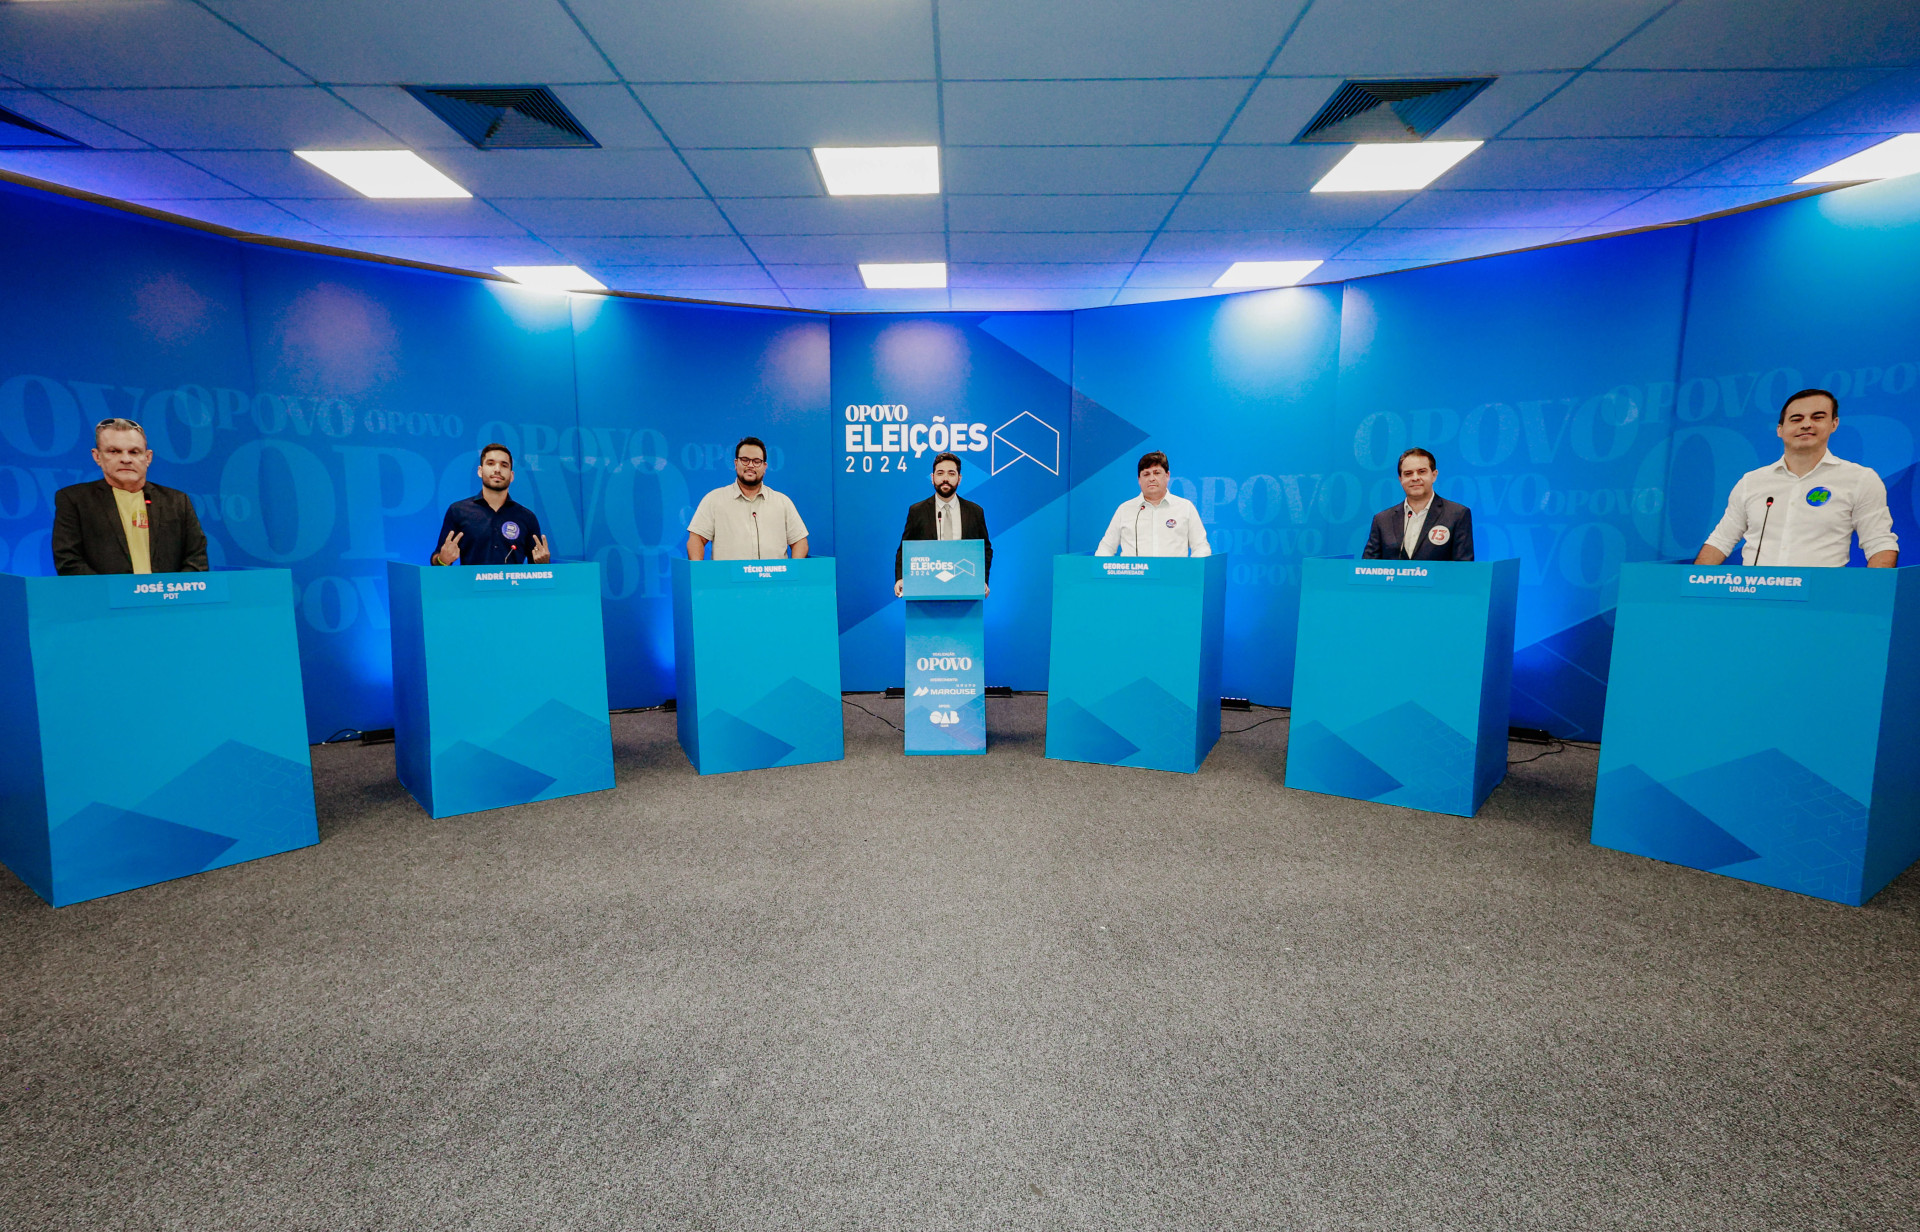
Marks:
<point>945,489</point>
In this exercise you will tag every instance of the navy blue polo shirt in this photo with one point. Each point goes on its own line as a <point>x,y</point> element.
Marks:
<point>487,537</point>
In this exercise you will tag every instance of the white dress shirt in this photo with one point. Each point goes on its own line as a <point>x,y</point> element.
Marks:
<point>1415,523</point>
<point>946,517</point>
<point>1814,516</point>
<point>1170,527</point>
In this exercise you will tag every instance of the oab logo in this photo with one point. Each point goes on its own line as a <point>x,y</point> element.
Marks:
<point>943,718</point>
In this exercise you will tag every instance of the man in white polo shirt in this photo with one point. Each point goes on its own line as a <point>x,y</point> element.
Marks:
<point>1156,523</point>
<point>746,520</point>
<point>1805,509</point>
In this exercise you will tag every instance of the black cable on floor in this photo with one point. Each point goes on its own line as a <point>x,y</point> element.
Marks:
<point>863,710</point>
<point>1286,712</point>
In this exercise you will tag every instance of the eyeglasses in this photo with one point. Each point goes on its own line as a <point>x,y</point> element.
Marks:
<point>123,424</point>
<point>749,461</point>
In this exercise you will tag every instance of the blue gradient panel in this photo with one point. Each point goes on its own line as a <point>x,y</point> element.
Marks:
<point>665,390</point>
<point>1401,692</point>
<point>1802,781</point>
<point>902,386</point>
<point>500,684</point>
<point>757,663</point>
<point>194,758</point>
<point>1134,678</point>
<point>1240,392</point>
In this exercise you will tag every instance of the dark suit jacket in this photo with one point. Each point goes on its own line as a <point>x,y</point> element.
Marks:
<point>88,536</point>
<point>1384,542</point>
<point>973,525</point>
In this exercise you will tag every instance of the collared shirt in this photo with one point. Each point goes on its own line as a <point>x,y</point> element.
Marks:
<point>742,529</point>
<point>1416,522</point>
<point>489,536</point>
<point>1814,515</point>
<point>1170,526</point>
<point>946,517</point>
<point>134,520</point>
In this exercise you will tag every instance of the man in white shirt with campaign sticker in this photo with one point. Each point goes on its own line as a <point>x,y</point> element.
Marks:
<point>1806,509</point>
<point>1156,523</point>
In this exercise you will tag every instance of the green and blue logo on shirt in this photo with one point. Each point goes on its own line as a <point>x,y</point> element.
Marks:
<point>1819,496</point>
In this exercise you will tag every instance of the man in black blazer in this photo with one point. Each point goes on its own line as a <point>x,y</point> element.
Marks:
<point>120,523</point>
<point>1425,526</point>
<point>941,512</point>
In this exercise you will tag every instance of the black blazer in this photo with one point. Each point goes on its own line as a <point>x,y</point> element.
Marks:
<point>973,525</point>
<point>1384,542</point>
<point>88,536</point>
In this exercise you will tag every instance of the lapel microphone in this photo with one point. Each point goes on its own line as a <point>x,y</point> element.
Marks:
<point>1762,542</point>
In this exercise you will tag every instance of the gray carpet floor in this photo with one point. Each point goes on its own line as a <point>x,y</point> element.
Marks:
<point>994,992</point>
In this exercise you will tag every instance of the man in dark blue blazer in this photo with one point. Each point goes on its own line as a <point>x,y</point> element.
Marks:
<point>1425,526</point>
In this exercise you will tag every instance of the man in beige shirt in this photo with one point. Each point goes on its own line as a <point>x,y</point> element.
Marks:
<point>121,523</point>
<point>746,520</point>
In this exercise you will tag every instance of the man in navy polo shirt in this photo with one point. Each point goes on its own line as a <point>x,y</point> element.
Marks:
<point>491,528</point>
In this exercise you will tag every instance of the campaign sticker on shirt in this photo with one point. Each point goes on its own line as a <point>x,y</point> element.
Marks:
<point>509,530</point>
<point>1438,536</point>
<point>1171,523</point>
<point>1819,496</point>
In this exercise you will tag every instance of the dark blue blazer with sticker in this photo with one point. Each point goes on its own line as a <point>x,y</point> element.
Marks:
<point>1384,542</point>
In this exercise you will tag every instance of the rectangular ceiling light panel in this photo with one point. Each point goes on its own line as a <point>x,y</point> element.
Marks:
<point>553,277</point>
<point>1265,273</point>
<point>1894,156</point>
<point>899,170</point>
<point>384,174</point>
<point>917,275</point>
<point>1399,167</point>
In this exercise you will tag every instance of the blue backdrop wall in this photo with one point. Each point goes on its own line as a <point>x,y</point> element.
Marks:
<point>1593,403</point>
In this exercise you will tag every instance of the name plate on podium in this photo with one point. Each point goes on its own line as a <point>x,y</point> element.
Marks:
<point>1743,584</point>
<point>944,569</point>
<point>154,589</point>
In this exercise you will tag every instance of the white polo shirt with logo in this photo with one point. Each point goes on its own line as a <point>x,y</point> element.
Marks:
<point>1172,527</point>
<point>1814,518</point>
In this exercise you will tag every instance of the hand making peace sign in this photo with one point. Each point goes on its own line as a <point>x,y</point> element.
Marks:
<point>449,553</point>
<point>540,554</point>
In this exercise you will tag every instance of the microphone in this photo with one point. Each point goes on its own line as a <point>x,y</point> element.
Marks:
<point>755,515</point>
<point>510,551</point>
<point>1763,531</point>
<point>1136,528</point>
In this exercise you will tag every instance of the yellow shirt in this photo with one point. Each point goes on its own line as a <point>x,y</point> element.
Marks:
<point>133,519</point>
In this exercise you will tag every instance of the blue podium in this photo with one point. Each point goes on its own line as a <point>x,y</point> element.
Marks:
<point>1761,724</point>
<point>945,585</point>
<point>499,684</point>
<point>1402,679</point>
<point>757,663</point>
<point>153,726</point>
<point>1133,673</point>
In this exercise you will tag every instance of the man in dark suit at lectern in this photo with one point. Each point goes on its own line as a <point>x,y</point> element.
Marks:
<point>944,515</point>
<point>120,523</point>
<point>1425,526</point>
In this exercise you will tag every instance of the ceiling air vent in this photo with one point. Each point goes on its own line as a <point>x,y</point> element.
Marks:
<point>17,132</point>
<point>506,117</point>
<point>1369,111</point>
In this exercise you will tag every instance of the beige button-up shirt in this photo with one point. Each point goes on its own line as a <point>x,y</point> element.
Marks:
<point>742,529</point>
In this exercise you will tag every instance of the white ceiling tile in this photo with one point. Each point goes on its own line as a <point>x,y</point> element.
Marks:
<point>397,219</point>
<point>1282,211</point>
<point>244,214</point>
<point>1161,295</point>
<point>1363,38</point>
<point>1529,208</point>
<point>377,41</point>
<point>871,301</point>
<point>833,215</point>
<point>476,254</point>
<point>1495,108</point>
<point>841,275</point>
<point>1890,105</point>
<point>675,278</point>
<point>1057,213</point>
<point>1089,112</point>
<point>1447,244</point>
<point>567,173</point>
<point>1775,34</point>
<point>1071,169</point>
<point>402,115</point>
<point>270,173</point>
<point>1686,104</point>
<point>1226,247</point>
<point>1268,168</point>
<point>1778,161</point>
<point>1177,274</point>
<point>1026,299</point>
<point>1073,246</point>
<point>1587,162</point>
<point>127,174</point>
<point>799,116</point>
<point>65,120</point>
<point>848,249</point>
<point>574,216</point>
<point>243,118</point>
<point>612,115</point>
<point>1280,108</point>
<point>1679,205</point>
<point>756,173</point>
<point>654,250</point>
<point>1110,38</point>
<point>763,40</point>
<point>1065,274</point>
<point>1341,269</point>
<point>153,43</point>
